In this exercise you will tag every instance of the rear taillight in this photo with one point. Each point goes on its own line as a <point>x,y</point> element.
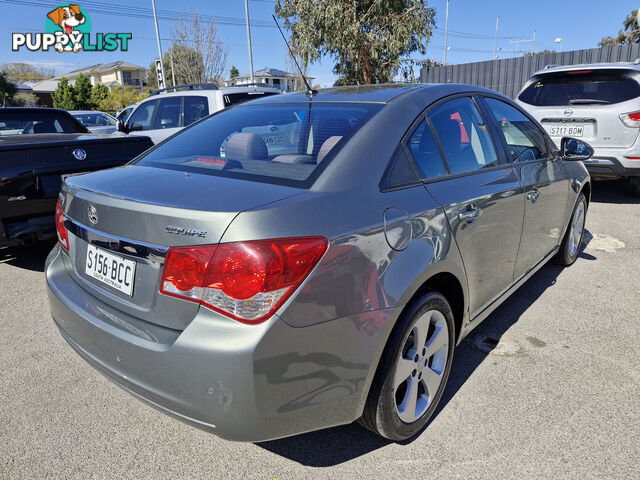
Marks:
<point>631,120</point>
<point>247,281</point>
<point>63,233</point>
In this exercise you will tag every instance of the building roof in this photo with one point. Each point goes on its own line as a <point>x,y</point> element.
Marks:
<point>102,67</point>
<point>21,87</point>
<point>45,86</point>
<point>268,72</point>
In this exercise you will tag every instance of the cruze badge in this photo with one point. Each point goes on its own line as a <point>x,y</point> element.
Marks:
<point>79,154</point>
<point>185,231</point>
<point>93,214</point>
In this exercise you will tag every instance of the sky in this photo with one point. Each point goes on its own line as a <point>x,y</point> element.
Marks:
<point>472,25</point>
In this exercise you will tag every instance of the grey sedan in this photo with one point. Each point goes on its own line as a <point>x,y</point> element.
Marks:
<point>96,122</point>
<point>258,291</point>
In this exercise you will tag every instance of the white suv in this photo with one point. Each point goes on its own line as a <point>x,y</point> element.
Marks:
<point>598,103</point>
<point>168,110</point>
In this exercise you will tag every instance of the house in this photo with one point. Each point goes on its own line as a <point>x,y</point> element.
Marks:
<point>283,81</point>
<point>115,74</point>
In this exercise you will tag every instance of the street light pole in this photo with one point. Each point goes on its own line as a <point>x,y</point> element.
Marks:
<point>246,9</point>
<point>446,30</point>
<point>495,43</point>
<point>155,18</point>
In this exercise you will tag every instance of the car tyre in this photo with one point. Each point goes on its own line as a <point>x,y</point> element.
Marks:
<point>572,241</point>
<point>413,371</point>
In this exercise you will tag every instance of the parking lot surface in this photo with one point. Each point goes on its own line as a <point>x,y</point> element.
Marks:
<point>546,387</point>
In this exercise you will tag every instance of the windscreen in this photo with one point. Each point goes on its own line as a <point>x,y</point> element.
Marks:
<point>286,144</point>
<point>13,122</point>
<point>581,87</point>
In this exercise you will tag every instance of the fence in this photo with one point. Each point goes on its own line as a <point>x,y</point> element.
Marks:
<point>508,75</point>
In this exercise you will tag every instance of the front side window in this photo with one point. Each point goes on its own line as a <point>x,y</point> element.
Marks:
<point>524,140</point>
<point>463,135</point>
<point>283,143</point>
<point>141,118</point>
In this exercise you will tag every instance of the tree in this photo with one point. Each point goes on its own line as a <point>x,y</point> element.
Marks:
<point>64,97</point>
<point>197,55</point>
<point>7,90</point>
<point>630,32</point>
<point>233,73</point>
<point>368,39</point>
<point>546,51</point>
<point>99,93</point>
<point>23,99</point>
<point>82,91</point>
<point>24,72</point>
<point>121,97</point>
<point>297,80</point>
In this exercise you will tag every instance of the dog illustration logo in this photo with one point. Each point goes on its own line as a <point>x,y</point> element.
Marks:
<point>68,18</point>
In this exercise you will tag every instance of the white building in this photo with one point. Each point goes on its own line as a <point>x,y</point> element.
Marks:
<point>284,81</point>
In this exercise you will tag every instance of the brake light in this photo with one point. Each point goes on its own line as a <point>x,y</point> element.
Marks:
<point>247,281</point>
<point>63,233</point>
<point>631,120</point>
<point>579,72</point>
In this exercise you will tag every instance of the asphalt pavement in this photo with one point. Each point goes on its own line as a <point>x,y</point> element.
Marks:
<point>547,387</point>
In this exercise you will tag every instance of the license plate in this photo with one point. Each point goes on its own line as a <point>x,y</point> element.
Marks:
<point>565,131</point>
<point>110,269</point>
<point>276,139</point>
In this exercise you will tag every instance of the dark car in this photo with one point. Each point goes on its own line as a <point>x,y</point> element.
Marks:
<point>38,147</point>
<point>259,288</point>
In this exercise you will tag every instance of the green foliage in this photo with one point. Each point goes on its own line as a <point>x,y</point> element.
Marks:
<point>546,51</point>
<point>630,32</point>
<point>22,99</point>
<point>7,90</point>
<point>99,93</point>
<point>82,91</point>
<point>368,39</point>
<point>233,73</point>
<point>64,97</point>
<point>24,72</point>
<point>121,97</point>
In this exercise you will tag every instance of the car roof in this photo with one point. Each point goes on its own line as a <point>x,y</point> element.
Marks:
<point>379,93</point>
<point>590,66</point>
<point>211,91</point>
<point>93,112</point>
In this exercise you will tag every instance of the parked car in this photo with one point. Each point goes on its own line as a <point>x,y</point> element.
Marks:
<point>96,122</point>
<point>124,113</point>
<point>168,110</point>
<point>599,103</point>
<point>38,146</point>
<point>258,293</point>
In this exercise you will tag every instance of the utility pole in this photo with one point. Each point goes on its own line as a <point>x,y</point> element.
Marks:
<point>446,30</point>
<point>533,43</point>
<point>246,9</point>
<point>155,18</point>
<point>495,43</point>
<point>173,70</point>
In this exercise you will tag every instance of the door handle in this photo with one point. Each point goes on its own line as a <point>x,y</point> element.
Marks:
<point>533,195</point>
<point>470,214</point>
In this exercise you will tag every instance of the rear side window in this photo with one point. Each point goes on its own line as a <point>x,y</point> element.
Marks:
<point>169,113</point>
<point>425,152</point>
<point>19,122</point>
<point>463,136</point>
<point>524,140</point>
<point>141,118</point>
<point>581,88</point>
<point>194,109</point>
<point>284,143</point>
<point>240,97</point>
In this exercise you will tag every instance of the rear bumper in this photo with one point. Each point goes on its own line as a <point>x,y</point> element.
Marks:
<point>608,163</point>
<point>241,382</point>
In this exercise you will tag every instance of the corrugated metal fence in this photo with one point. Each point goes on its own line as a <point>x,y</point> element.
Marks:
<point>508,75</point>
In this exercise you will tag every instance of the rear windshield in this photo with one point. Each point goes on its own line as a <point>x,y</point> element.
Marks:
<point>581,88</point>
<point>24,122</point>
<point>287,144</point>
<point>235,98</point>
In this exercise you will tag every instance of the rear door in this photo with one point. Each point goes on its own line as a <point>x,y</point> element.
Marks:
<point>586,104</point>
<point>543,177</point>
<point>467,174</point>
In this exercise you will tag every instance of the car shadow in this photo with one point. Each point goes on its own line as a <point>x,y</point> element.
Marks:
<point>613,191</point>
<point>29,258</point>
<point>337,445</point>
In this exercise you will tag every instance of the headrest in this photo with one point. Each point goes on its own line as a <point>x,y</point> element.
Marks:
<point>295,158</point>
<point>246,146</point>
<point>44,127</point>
<point>326,147</point>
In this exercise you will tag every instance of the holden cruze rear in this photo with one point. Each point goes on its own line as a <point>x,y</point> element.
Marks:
<point>146,287</point>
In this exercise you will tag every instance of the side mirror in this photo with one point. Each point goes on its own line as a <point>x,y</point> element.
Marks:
<point>121,127</point>
<point>573,149</point>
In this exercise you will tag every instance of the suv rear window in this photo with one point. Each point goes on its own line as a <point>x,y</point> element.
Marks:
<point>287,144</point>
<point>235,98</point>
<point>581,87</point>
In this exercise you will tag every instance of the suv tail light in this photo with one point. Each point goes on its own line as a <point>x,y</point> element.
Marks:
<point>631,120</point>
<point>63,233</point>
<point>247,281</point>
